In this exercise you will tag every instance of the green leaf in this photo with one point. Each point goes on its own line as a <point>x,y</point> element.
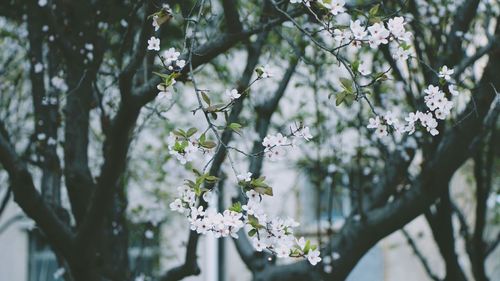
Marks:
<point>340,98</point>
<point>307,247</point>
<point>253,221</point>
<point>236,207</point>
<point>259,70</point>
<point>355,65</point>
<point>405,46</point>
<point>209,144</point>
<point>235,126</point>
<point>211,178</point>
<point>205,98</point>
<point>264,190</point>
<point>374,19</point>
<point>167,78</point>
<point>180,133</point>
<point>164,76</point>
<point>252,232</point>
<point>191,132</point>
<point>190,183</point>
<point>349,99</point>
<point>346,84</point>
<point>374,11</point>
<point>202,139</point>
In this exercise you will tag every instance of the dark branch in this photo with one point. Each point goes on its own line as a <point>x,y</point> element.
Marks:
<point>232,16</point>
<point>420,255</point>
<point>28,198</point>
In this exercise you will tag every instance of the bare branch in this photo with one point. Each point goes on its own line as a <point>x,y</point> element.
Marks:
<point>125,78</point>
<point>26,195</point>
<point>209,51</point>
<point>420,256</point>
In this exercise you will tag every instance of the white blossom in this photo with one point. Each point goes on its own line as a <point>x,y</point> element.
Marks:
<point>303,132</point>
<point>401,53</point>
<point>258,244</point>
<point>232,94</point>
<point>245,177</point>
<point>364,69</point>
<point>184,155</point>
<point>271,141</point>
<point>334,6</point>
<point>397,29</point>
<point>390,118</point>
<point>282,251</point>
<point>373,122</point>
<point>180,63</point>
<point>163,89</point>
<point>381,131</point>
<point>378,35</point>
<point>171,55</point>
<point>156,25</point>
<point>313,256</point>
<point>453,90</point>
<point>340,35</point>
<point>154,44</point>
<point>358,31</point>
<point>253,196</point>
<point>446,73</point>
<point>177,206</point>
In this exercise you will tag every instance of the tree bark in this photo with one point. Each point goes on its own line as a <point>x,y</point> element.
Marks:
<point>441,225</point>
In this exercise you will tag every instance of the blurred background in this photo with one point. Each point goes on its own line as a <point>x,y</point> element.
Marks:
<point>62,85</point>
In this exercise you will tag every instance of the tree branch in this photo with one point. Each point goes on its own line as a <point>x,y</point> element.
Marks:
<point>5,200</point>
<point>127,75</point>
<point>28,198</point>
<point>208,51</point>
<point>232,16</point>
<point>461,22</point>
<point>420,256</point>
<point>190,266</point>
<point>356,237</point>
<point>253,259</point>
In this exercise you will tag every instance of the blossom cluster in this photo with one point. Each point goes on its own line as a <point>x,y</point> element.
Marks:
<point>169,58</point>
<point>274,145</point>
<point>377,34</point>
<point>435,99</point>
<point>272,234</point>
<point>182,148</point>
<point>203,221</point>
<point>277,235</point>
<point>334,7</point>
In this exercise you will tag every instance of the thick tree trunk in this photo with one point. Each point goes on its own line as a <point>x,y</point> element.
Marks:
<point>115,241</point>
<point>442,230</point>
<point>107,258</point>
<point>477,244</point>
